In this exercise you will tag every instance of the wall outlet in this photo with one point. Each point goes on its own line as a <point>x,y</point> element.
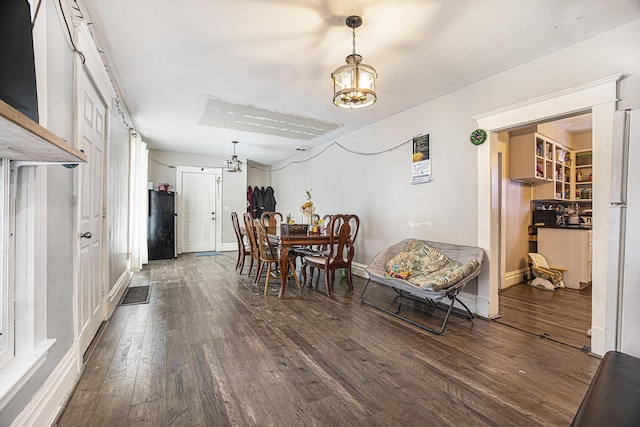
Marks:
<point>226,208</point>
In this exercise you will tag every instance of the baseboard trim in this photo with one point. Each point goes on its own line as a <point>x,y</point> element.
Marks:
<point>228,247</point>
<point>115,295</point>
<point>482,307</point>
<point>470,300</point>
<point>513,277</point>
<point>358,270</point>
<point>597,341</point>
<point>49,401</point>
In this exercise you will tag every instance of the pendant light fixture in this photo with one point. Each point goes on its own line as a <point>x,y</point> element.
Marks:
<point>233,165</point>
<point>354,84</point>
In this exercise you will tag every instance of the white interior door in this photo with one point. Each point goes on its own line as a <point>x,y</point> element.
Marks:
<point>198,196</point>
<point>92,140</point>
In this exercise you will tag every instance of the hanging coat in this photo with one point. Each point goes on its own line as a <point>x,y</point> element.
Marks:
<point>250,207</point>
<point>270,200</point>
<point>258,202</point>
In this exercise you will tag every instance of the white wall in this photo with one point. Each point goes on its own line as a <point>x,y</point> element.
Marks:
<point>234,184</point>
<point>56,91</point>
<point>377,188</point>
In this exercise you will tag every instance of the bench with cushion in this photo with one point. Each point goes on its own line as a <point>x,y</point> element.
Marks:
<point>425,271</point>
<point>613,397</point>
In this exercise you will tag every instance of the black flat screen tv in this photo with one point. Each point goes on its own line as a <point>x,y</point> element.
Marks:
<point>17,67</point>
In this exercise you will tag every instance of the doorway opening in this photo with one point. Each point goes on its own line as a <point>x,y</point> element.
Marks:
<point>545,199</point>
<point>599,97</point>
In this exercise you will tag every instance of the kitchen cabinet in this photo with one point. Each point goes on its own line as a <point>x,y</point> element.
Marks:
<point>543,162</point>
<point>569,248</point>
<point>583,173</point>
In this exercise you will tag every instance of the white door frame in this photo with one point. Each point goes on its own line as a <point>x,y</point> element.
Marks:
<point>599,97</point>
<point>179,208</point>
<point>91,65</point>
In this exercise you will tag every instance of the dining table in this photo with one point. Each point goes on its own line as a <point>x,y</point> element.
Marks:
<point>286,241</point>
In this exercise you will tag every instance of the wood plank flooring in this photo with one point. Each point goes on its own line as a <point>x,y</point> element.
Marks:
<point>210,350</point>
<point>563,315</point>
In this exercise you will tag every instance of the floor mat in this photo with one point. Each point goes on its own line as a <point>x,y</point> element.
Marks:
<point>136,295</point>
<point>210,253</point>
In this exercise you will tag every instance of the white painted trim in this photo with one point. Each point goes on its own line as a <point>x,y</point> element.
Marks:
<point>115,295</point>
<point>48,403</point>
<point>560,103</point>
<point>228,247</point>
<point>470,300</point>
<point>513,277</point>
<point>358,270</point>
<point>93,61</point>
<point>7,257</point>
<point>599,97</point>
<point>17,372</point>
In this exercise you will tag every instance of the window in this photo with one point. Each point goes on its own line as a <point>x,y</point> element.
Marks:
<point>6,291</point>
<point>24,311</point>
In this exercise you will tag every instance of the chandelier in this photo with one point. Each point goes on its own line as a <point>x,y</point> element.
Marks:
<point>233,165</point>
<point>354,84</point>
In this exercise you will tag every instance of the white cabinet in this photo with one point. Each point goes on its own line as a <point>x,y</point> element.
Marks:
<point>584,178</point>
<point>531,158</point>
<point>570,249</point>
<point>539,160</point>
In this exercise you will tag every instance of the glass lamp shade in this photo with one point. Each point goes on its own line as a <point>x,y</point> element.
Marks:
<point>233,165</point>
<point>354,84</point>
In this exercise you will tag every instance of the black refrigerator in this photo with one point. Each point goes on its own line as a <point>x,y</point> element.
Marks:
<point>161,225</point>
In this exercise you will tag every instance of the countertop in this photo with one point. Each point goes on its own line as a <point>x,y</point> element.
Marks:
<point>568,226</point>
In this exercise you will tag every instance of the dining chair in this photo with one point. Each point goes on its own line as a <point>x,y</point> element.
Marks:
<point>271,220</point>
<point>342,231</point>
<point>253,243</point>
<point>311,250</point>
<point>244,249</point>
<point>270,256</point>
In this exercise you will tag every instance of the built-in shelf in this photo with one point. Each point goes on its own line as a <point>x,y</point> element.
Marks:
<point>23,139</point>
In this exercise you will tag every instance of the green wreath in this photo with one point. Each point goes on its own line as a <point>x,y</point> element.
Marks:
<point>478,136</point>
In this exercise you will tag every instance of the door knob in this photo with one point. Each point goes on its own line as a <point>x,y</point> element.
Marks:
<point>86,235</point>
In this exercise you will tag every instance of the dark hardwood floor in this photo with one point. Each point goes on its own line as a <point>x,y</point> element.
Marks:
<point>210,349</point>
<point>563,315</point>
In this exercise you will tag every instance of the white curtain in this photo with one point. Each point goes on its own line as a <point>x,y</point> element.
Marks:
<point>138,201</point>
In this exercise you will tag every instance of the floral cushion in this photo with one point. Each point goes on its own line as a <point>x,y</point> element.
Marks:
<point>425,267</point>
<point>416,257</point>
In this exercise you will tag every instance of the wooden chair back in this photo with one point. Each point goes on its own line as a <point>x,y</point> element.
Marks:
<point>236,228</point>
<point>251,234</point>
<point>267,252</point>
<point>342,231</point>
<point>271,220</point>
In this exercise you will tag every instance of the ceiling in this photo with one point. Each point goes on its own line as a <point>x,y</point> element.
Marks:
<point>576,124</point>
<point>198,74</point>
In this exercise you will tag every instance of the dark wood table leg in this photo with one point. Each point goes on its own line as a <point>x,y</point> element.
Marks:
<point>284,268</point>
